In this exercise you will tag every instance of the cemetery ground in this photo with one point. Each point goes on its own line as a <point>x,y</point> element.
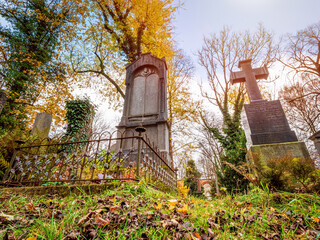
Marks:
<point>139,211</point>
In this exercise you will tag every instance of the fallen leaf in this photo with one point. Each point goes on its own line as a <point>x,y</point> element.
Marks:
<point>113,208</point>
<point>183,210</point>
<point>88,216</point>
<point>173,202</point>
<point>159,206</point>
<point>197,235</point>
<point>31,238</point>
<point>102,222</point>
<point>29,207</point>
<point>7,217</point>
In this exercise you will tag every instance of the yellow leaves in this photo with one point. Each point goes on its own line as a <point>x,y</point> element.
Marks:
<point>183,190</point>
<point>31,238</point>
<point>173,202</point>
<point>159,206</point>
<point>183,210</point>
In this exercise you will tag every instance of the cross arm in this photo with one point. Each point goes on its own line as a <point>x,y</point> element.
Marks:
<point>237,77</point>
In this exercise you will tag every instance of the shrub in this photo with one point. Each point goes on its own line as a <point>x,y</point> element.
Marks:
<point>288,173</point>
<point>192,176</point>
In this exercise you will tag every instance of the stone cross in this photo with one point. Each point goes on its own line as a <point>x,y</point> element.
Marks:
<point>250,76</point>
<point>3,100</point>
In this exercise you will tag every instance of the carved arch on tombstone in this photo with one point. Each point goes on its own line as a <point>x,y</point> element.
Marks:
<point>145,94</point>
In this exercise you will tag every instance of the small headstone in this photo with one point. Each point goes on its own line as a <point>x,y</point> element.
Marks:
<point>3,100</point>
<point>42,124</point>
<point>316,140</point>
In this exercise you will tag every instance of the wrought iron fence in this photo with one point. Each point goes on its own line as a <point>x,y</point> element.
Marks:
<point>126,156</point>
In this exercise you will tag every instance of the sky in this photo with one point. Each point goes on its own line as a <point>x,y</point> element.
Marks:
<point>200,18</point>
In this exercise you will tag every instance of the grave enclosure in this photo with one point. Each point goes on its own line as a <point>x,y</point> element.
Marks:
<point>127,154</point>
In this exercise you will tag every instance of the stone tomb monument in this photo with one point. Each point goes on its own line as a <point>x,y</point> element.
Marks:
<point>42,124</point>
<point>266,127</point>
<point>3,100</point>
<point>146,100</point>
<point>316,140</point>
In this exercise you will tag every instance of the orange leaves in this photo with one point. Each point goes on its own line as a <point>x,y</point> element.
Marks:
<point>29,207</point>
<point>114,208</point>
<point>102,222</point>
<point>159,206</point>
<point>31,238</point>
<point>183,210</point>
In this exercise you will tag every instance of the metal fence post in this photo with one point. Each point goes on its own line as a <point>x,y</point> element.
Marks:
<point>140,130</point>
<point>10,166</point>
<point>18,142</point>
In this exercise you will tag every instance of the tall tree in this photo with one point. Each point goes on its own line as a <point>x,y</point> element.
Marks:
<point>27,48</point>
<point>219,55</point>
<point>182,109</point>
<point>301,96</point>
<point>192,176</point>
<point>116,33</point>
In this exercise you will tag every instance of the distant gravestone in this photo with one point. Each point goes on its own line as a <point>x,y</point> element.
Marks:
<point>146,100</point>
<point>266,126</point>
<point>3,100</point>
<point>42,124</point>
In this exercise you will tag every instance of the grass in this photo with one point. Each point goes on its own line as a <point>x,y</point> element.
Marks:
<point>137,211</point>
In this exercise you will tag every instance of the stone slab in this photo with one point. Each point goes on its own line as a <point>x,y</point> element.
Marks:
<point>42,124</point>
<point>265,123</point>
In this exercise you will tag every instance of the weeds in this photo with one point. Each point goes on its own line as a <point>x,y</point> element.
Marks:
<point>137,211</point>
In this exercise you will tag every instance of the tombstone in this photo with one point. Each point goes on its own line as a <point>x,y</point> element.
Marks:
<point>3,100</point>
<point>146,101</point>
<point>316,140</point>
<point>265,124</point>
<point>42,124</point>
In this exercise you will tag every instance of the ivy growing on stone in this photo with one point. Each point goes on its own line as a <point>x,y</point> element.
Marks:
<point>80,113</point>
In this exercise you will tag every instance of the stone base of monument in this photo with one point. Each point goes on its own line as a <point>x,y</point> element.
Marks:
<point>156,133</point>
<point>265,152</point>
<point>265,123</point>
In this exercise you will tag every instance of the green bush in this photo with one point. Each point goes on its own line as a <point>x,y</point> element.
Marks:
<point>192,176</point>
<point>289,174</point>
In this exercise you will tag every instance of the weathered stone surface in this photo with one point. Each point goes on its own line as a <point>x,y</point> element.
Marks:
<point>316,140</point>
<point>3,100</point>
<point>42,124</point>
<point>146,102</point>
<point>266,123</point>
<point>278,150</point>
